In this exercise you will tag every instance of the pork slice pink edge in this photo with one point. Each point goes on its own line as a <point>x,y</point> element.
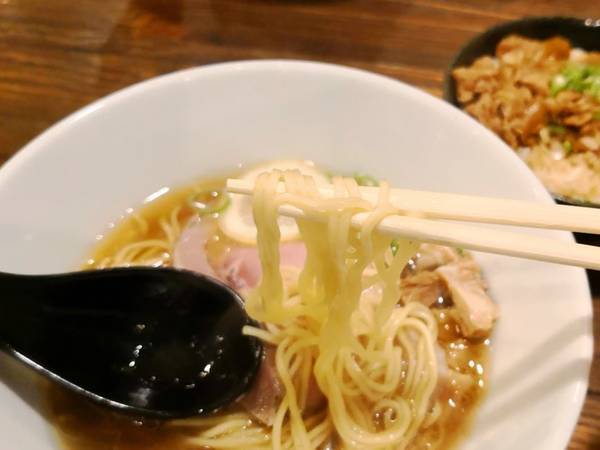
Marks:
<point>189,251</point>
<point>241,269</point>
<point>266,392</point>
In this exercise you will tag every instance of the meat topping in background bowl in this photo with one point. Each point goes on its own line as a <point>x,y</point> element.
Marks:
<point>543,98</point>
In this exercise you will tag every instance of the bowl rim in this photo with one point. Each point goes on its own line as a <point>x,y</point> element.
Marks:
<point>190,74</point>
<point>44,139</point>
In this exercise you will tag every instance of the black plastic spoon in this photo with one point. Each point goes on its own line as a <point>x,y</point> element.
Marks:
<point>159,343</point>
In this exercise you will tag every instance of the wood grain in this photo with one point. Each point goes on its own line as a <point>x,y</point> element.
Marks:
<point>58,55</point>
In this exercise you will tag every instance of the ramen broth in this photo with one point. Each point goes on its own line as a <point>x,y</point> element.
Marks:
<point>81,425</point>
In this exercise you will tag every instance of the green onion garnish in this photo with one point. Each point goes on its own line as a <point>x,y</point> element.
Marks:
<point>365,180</point>
<point>577,77</point>
<point>209,202</point>
<point>556,129</point>
<point>394,245</point>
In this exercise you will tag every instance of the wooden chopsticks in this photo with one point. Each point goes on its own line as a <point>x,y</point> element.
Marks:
<point>432,206</point>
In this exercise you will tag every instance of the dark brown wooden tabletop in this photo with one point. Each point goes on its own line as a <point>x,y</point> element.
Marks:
<point>58,55</point>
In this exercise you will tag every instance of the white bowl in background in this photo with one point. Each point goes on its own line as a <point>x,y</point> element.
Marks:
<point>64,187</point>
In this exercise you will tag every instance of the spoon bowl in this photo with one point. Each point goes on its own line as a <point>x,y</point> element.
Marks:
<point>159,343</point>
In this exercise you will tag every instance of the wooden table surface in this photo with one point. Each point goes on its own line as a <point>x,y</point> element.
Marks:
<point>58,55</point>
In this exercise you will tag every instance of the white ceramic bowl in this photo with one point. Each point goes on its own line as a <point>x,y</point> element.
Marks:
<point>63,189</point>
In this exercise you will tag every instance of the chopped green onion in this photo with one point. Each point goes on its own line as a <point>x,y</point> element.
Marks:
<point>329,175</point>
<point>209,202</point>
<point>394,246</point>
<point>597,115</point>
<point>365,180</point>
<point>568,147</point>
<point>556,129</point>
<point>558,83</point>
<point>460,251</point>
<point>577,77</point>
